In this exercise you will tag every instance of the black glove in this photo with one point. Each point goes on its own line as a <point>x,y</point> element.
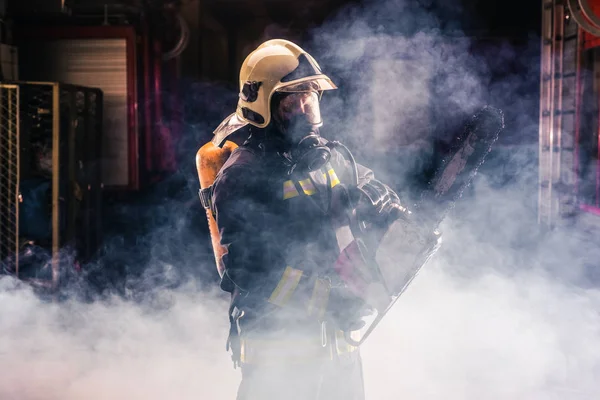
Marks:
<point>377,206</point>
<point>347,310</point>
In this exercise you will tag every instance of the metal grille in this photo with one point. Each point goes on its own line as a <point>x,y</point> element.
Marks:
<point>37,108</point>
<point>50,186</point>
<point>559,73</point>
<point>9,176</point>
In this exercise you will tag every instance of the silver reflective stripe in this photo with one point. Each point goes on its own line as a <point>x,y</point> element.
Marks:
<point>320,298</point>
<point>344,236</point>
<point>286,286</point>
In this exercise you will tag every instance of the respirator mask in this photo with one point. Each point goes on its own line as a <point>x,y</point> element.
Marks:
<point>297,116</point>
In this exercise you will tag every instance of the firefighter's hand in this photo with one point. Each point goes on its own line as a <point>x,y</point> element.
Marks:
<point>377,204</point>
<point>347,310</point>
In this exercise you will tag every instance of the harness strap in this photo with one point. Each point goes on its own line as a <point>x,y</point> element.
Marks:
<point>233,339</point>
<point>206,198</point>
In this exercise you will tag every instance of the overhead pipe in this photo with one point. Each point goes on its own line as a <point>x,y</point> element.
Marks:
<point>182,42</point>
<point>115,9</point>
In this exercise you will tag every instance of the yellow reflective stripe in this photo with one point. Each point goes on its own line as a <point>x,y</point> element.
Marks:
<point>342,346</point>
<point>278,351</point>
<point>286,286</point>
<point>319,299</point>
<point>333,176</point>
<point>289,190</point>
<point>274,352</point>
<point>334,179</point>
<point>308,187</point>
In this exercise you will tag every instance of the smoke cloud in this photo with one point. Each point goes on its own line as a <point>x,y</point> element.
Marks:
<point>503,311</point>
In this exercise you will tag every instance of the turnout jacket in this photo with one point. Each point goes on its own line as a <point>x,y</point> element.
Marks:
<point>282,234</point>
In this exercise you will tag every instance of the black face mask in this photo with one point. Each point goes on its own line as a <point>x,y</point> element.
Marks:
<point>310,153</point>
<point>306,150</point>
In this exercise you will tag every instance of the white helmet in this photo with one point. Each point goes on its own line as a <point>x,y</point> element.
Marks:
<point>277,65</point>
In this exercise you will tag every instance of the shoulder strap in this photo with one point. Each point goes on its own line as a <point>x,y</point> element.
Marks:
<point>206,198</point>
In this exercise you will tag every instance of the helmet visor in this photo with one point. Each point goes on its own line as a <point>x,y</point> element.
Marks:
<point>313,85</point>
<point>300,105</point>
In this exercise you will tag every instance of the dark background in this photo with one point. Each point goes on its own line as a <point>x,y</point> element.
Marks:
<point>158,236</point>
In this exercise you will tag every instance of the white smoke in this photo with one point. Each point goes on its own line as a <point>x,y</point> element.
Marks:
<point>114,349</point>
<point>501,313</point>
<point>524,337</point>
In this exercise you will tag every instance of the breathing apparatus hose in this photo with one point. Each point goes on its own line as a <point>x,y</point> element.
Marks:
<point>355,181</point>
<point>348,155</point>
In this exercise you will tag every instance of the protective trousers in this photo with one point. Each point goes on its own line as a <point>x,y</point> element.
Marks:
<point>340,378</point>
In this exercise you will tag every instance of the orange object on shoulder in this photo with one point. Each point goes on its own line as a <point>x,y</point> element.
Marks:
<point>209,160</point>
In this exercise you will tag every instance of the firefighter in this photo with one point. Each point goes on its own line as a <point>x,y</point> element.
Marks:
<point>280,204</point>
